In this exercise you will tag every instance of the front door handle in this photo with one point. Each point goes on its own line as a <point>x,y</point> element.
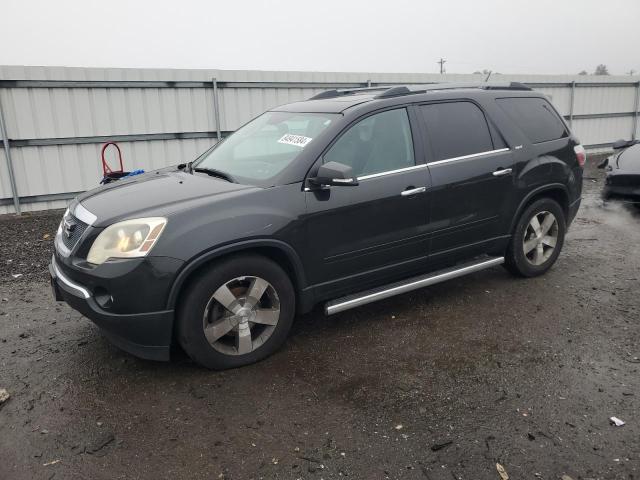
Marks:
<point>413,191</point>
<point>502,171</point>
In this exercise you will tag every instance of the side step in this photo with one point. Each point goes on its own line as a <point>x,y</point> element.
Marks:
<point>386,291</point>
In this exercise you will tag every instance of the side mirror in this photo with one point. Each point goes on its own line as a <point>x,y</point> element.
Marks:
<point>618,144</point>
<point>336,174</point>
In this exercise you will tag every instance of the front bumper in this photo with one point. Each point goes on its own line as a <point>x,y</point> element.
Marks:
<point>145,335</point>
<point>622,185</point>
<point>624,193</point>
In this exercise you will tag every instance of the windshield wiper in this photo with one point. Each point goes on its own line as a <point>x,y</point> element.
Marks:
<point>216,173</point>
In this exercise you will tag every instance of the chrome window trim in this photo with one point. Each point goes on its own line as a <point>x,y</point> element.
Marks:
<point>391,172</point>
<point>467,157</point>
<point>426,165</point>
<point>84,215</point>
<point>72,285</point>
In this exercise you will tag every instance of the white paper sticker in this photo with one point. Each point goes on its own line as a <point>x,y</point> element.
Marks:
<point>297,140</point>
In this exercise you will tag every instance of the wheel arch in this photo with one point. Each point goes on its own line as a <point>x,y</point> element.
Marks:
<point>280,252</point>
<point>555,191</point>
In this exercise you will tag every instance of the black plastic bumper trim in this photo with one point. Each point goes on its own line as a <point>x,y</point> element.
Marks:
<point>145,335</point>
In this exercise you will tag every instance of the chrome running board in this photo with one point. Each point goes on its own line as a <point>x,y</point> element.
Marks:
<point>386,291</point>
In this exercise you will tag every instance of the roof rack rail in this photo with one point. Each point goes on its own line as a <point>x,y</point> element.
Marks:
<point>346,91</point>
<point>511,86</point>
<point>410,89</point>
<point>414,89</point>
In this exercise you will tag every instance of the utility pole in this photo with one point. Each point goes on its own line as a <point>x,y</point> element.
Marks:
<point>442,62</point>
<point>631,72</point>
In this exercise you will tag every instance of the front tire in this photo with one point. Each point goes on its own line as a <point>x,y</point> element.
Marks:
<point>235,313</point>
<point>537,239</point>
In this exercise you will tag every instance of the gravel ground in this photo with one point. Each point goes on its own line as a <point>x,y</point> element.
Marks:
<point>26,244</point>
<point>441,383</point>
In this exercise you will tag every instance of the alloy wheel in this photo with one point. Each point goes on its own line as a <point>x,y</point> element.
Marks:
<point>241,315</point>
<point>540,238</point>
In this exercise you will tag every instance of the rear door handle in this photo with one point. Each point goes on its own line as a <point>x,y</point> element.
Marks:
<point>413,191</point>
<point>502,171</point>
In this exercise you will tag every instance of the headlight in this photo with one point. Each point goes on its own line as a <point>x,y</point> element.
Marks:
<point>128,239</point>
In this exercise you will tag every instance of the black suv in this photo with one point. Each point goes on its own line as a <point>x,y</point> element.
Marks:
<point>344,199</point>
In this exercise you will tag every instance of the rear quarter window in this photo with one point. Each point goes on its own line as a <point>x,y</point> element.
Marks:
<point>535,117</point>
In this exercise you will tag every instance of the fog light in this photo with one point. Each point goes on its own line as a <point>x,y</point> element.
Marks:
<point>103,297</point>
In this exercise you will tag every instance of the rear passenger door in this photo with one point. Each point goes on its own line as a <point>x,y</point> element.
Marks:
<point>472,179</point>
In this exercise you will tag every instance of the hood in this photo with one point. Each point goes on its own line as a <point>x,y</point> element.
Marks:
<point>628,161</point>
<point>158,193</point>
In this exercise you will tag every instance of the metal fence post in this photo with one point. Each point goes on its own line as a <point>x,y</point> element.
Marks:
<point>635,112</point>
<point>7,152</point>
<point>216,108</point>
<point>572,102</point>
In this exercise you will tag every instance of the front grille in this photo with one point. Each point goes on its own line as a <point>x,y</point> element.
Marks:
<point>72,230</point>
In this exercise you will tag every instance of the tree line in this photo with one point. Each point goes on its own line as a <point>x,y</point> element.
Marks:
<point>600,70</point>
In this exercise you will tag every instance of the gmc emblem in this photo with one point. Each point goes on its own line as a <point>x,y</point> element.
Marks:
<point>68,228</point>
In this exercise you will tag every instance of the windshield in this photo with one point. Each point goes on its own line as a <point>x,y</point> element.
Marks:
<point>265,146</point>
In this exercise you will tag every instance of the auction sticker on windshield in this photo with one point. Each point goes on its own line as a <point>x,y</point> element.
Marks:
<point>297,140</point>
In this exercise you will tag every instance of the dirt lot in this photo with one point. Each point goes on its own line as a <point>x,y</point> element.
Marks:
<point>442,383</point>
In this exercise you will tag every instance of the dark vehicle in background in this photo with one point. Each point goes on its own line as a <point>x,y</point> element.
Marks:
<point>623,172</point>
<point>347,198</point>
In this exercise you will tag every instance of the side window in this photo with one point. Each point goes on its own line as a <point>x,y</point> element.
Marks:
<point>535,117</point>
<point>456,129</point>
<point>378,143</point>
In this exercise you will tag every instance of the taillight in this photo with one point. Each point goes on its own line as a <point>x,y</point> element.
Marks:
<point>581,155</point>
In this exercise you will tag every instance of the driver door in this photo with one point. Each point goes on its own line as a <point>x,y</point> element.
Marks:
<point>362,235</point>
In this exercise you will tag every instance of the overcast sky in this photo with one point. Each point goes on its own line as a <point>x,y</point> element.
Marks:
<point>511,36</point>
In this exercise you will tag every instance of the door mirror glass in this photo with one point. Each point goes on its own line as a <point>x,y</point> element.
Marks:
<point>336,174</point>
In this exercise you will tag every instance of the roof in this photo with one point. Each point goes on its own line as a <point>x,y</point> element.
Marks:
<point>337,101</point>
<point>331,105</point>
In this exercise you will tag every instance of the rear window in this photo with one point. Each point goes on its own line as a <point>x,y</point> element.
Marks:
<point>456,129</point>
<point>535,117</point>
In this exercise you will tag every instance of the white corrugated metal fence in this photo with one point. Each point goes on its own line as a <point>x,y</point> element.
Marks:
<point>57,118</point>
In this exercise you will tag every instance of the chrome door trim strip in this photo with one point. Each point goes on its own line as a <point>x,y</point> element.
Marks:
<point>84,215</point>
<point>362,298</point>
<point>391,172</point>
<point>466,157</point>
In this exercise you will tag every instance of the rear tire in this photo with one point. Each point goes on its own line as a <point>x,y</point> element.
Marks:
<point>236,312</point>
<point>537,239</point>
